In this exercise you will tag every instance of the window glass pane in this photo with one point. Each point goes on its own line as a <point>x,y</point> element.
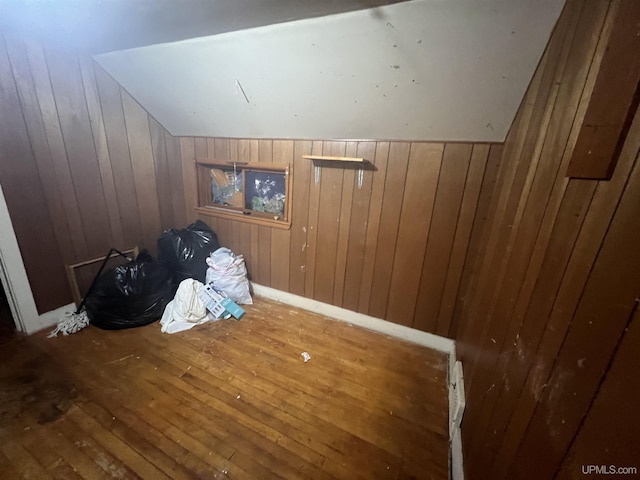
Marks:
<point>226,188</point>
<point>265,192</point>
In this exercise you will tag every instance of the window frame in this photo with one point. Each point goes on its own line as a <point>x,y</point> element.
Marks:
<point>205,205</point>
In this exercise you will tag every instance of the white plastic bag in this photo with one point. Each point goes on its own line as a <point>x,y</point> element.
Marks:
<point>186,310</point>
<point>227,272</point>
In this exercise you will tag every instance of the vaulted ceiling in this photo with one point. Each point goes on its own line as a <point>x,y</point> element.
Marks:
<point>450,70</point>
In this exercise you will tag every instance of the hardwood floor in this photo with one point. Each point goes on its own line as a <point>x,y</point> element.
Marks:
<point>231,399</point>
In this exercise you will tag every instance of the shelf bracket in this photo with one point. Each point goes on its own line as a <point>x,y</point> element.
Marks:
<point>316,174</point>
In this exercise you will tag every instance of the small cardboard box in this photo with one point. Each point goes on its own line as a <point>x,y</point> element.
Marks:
<point>212,301</point>
<point>218,303</point>
<point>232,307</point>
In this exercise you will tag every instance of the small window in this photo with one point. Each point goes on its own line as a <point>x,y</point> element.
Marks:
<point>250,192</point>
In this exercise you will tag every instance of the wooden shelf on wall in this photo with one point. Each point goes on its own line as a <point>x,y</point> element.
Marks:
<point>347,162</point>
<point>334,159</point>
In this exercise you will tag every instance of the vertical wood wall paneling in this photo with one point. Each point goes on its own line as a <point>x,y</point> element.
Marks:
<point>537,224</point>
<point>545,273</point>
<point>489,200</point>
<point>204,189</point>
<point>517,144</point>
<point>606,305</point>
<point>328,222</point>
<point>474,283</point>
<point>585,250</point>
<point>265,150</point>
<point>76,133</point>
<point>388,232</point>
<point>348,184</point>
<point>373,225</point>
<point>532,328</point>
<point>423,171</point>
<point>203,186</point>
<point>115,129</point>
<point>189,178</point>
<point>39,146</point>
<point>495,407</point>
<point>358,229</point>
<point>470,200</point>
<point>255,253</point>
<point>496,332</point>
<point>163,178</point>
<point>244,149</point>
<point>281,239</point>
<point>137,124</point>
<point>486,198</point>
<point>102,151</point>
<point>254,150</point>
<point>606,439</point>
<point>531,205</point>
<point>29,214</point>
<point>303,175</point>
<point>567,203</point>
<point>613,101</point>
<point>517,182</point>
<point>68,92</point>
<point>176,186</point>
<point>312,226</point>
<point>559,142</point>
<point>48,110</point>
<point>211,148</point>
<point>450,188</point>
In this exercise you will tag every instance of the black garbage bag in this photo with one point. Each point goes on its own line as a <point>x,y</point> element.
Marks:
<point>186,250</point>
<point>130,295</point>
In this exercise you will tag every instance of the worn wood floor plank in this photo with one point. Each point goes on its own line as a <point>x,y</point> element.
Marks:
<point>230,399</point>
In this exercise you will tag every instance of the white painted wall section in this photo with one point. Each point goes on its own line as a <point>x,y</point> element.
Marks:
<point>420,70</point>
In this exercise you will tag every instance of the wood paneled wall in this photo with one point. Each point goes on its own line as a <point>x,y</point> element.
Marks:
<point>552,278</point>
<point>83,167</point>
<point>394,248</point>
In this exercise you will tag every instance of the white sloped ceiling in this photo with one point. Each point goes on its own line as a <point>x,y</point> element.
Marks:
<point>453,70</point>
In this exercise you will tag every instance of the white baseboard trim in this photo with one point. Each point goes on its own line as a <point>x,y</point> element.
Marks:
<point>429,340</point>
<point>49,319</point>
<point>425,339</point>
